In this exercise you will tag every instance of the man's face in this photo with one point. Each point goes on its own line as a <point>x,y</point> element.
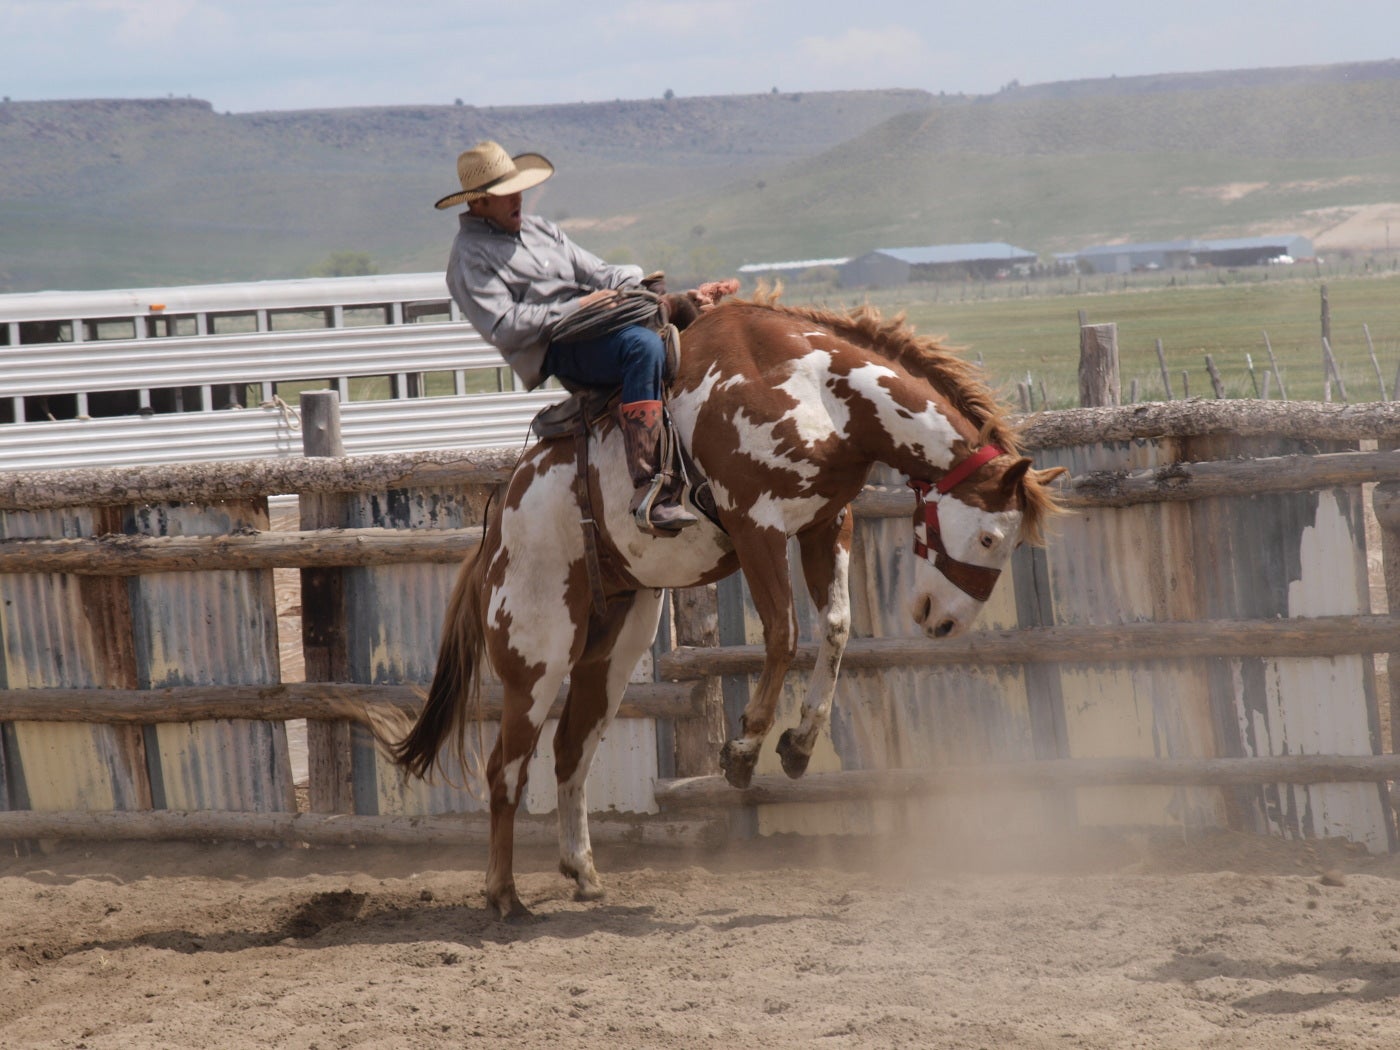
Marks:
<point>503,211</point>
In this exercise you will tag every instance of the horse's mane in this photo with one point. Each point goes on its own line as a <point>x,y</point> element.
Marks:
<point>956,379</point>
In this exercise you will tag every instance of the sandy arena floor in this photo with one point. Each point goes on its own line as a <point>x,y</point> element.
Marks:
<point>1109,941</point>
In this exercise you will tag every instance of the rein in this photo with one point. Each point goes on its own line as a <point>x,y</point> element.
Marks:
<point>976,581</point>
<point>630,306</point>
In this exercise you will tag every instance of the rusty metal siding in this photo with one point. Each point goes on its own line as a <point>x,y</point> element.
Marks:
<point>210,628</point>
<point>71,632</point>
<point>1126,565</point>
<point>1263,557</point>
<point>1299,554</point>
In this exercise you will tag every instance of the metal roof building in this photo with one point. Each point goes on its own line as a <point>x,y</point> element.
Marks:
<point>1179,255</point>
<point>885,267</point>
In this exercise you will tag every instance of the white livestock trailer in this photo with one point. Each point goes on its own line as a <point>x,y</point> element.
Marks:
<point>211,372</point>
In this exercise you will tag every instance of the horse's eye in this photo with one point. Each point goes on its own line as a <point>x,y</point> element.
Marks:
<point>988,541</point>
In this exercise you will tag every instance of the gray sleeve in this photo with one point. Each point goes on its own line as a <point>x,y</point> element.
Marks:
<point>593,272</point>
<point>506,324</point>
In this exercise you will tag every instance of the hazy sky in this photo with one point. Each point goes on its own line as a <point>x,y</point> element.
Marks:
<point>244,55</point>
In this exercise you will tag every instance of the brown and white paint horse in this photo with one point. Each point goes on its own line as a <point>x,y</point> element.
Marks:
<point>785,411</point>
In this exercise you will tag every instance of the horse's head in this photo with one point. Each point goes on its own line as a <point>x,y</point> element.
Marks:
<point>966,524</point>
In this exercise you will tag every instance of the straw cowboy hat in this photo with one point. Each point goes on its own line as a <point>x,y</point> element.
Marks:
<point>487,170</point>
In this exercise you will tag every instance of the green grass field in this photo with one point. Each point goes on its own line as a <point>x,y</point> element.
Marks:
<point>1021,329</point>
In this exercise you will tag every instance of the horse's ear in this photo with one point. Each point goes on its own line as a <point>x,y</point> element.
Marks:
<point>1014,477</point>
<point>1049,474</point>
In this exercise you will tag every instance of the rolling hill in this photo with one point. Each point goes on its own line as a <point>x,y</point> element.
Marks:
<point>131,192</point>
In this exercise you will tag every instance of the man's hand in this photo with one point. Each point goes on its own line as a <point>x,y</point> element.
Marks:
<point>603,297</point>
<point>711,292</point>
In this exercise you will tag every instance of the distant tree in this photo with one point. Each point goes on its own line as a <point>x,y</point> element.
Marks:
<point>775,90</point>
<point>698,230</point>
<point>345,264</point>
<point>760,184</point>
<point>457,102</point>
<point>668,95</point>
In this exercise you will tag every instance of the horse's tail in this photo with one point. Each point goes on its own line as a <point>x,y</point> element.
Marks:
<point>454,698</point>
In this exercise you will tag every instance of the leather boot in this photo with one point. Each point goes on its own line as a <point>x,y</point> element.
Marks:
<point>656,502</point>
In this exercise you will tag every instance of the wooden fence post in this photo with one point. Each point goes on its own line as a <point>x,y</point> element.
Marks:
<point>1386,502</point>
<point>1099,384</point>
<point>323,615</point>
<point>699,739</point>
<point>1216,383</point>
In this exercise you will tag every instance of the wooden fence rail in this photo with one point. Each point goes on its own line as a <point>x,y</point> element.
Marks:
<point>289,700</point>
<point>711,791</point>
<point>1107,644</point>
<point>336,829</point>
<point>119,555</point>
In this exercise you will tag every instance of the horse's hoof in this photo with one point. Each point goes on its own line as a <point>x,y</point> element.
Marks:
<point>590,891</point>
<point>589,886</point>
<point>737,765</point>
<point>794,760</point>
<point>508,908</point>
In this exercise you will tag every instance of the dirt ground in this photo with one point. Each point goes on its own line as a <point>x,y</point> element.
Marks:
<point>1106,941</point>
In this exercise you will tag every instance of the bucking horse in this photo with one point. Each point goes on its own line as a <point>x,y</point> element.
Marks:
<point>782,411</point>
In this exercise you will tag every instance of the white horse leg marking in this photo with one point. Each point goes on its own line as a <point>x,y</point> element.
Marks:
<point>821,687</point>
<point>582,729</point>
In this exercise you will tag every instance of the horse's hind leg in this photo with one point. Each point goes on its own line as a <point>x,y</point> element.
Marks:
<point>506,774</point>
<point>530,690</point>
<point>616,641</point>
<point>826,558</point>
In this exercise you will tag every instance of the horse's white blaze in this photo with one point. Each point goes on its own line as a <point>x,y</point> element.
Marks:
<point>963,527</point>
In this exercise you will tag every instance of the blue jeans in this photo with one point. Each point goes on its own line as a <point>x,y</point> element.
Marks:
<point>633,356</point>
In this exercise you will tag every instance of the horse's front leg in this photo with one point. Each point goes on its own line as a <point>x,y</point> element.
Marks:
<point>763,558</point>
<point>615,643</point>
<point>826,560</point>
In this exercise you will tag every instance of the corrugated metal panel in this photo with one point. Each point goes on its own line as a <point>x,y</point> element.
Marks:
<point>472,421</point>
<point>1225,558</point>
<point>1293,555</point>
<point>214,628</point>
<point>1123,566</point>
<point>55,368</point>
<point>66,631</point>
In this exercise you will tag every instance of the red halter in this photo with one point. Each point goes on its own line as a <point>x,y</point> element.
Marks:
<point>976,581</point>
